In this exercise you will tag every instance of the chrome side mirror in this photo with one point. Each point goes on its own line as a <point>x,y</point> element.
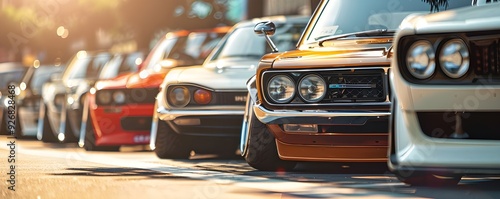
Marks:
<point>266,28</point>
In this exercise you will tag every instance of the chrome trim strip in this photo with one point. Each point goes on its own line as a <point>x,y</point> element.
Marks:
<point>164,114</point>
<point>267,116</point>
<point>203,87</point>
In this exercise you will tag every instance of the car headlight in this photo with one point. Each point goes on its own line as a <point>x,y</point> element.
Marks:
<point>202,96</point>
<point>104,97</point>
<point>179,96</point>
<point>420,59</point>
<point>119,97</point>
<point>281,89</point>
<point>312,88</point>
<point>454,58</point>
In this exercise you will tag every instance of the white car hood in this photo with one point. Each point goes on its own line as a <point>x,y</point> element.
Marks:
<point>217,75</point>
<point>474,18</point>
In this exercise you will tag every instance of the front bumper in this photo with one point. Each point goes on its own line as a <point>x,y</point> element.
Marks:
<point>424,143</point>
<point>219,121</point>
<point>416,151</point>
<point>343,136</point>
<point>122,125</point>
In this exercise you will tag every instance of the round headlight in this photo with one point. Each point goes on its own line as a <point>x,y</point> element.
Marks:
<point>454,58</point>
<point>420,59</point>
<point>281,89</point>
<point>179,96</point>
<point>119,97</point>
<point>104,97</point>
<point>312,88</point>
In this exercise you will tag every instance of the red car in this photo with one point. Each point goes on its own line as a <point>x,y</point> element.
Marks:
<point>119,111</point>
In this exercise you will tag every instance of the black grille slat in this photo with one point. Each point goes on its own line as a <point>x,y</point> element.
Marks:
<point>485,57</point>
<point>230,98</point>
<point>355,86</point>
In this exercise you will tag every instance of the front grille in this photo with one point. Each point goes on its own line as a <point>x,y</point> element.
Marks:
<point>355,86</point>
<point>141,95</point>
<point>478,125</point>
<point>485,57</point>
<point>230,98</point>
<point>132,96</point>
<point>136,123</point>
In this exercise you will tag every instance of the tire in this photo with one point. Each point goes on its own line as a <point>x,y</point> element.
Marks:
<point>89,141</point>
<point>47,134</point>
<point>3,124</point>
<point>262,153</point>
<point>19,130</point>
<point>170,145</point>
<point>426,179</point>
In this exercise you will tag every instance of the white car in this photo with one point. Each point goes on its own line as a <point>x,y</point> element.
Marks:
<point>83,66</point>
<point>201,107</point>
<point>446,108</point>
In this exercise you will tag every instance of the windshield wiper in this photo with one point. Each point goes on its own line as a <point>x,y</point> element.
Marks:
<point>374,32</point>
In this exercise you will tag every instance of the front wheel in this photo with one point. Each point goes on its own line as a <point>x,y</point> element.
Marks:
<point>170,145</point>
<point>420,178</point>
<point>261,152</point>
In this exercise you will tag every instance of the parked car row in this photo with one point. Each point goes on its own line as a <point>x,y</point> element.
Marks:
<point>411,83</point>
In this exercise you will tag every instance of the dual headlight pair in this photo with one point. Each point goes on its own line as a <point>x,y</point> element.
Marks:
<point>453,58</point>
<point>106,97</point>
<point>282,88</point>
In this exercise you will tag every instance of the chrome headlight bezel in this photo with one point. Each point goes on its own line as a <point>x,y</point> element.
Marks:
<point>307,78</point>
<point>174,95</point>
<point>285,83</point>
<point>448,51</point>
<point>426,68</point>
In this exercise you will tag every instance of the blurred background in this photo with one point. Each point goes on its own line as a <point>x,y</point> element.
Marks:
<point>52,31</point>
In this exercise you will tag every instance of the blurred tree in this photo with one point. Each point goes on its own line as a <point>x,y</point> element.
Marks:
<point>146,18</point>
<point>437,4</point>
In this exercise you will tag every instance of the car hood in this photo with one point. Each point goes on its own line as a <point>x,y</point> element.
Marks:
<point>474,18</point>
<point>229,74</point>
<point>345,53</point>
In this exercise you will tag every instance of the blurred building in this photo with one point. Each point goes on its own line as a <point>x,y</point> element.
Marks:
<point>260,8</point>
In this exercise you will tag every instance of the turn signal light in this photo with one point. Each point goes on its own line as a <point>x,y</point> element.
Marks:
<point>202,96</point>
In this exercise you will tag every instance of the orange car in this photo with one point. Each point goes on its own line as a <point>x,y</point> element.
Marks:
<point>119,112</point>
<point>327,100</point>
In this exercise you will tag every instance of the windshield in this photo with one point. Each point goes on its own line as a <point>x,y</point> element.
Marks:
<point>255,46</point>
<point>121,63</point>
<point>160,51</point>
<point>86,66</point>
<point>343,17</point>
<point>42,75</point>
<point>191,49</point>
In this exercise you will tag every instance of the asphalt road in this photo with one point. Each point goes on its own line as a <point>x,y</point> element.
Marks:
<point>66,171</point>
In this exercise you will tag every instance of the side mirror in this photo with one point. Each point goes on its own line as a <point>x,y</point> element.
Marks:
<point>266,28</point>
<point>56,77</point>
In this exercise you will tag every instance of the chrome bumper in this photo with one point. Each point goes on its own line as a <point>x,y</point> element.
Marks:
<point>267,116</point>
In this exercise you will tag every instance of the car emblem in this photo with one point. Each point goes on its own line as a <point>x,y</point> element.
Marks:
<point>240,98</point>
